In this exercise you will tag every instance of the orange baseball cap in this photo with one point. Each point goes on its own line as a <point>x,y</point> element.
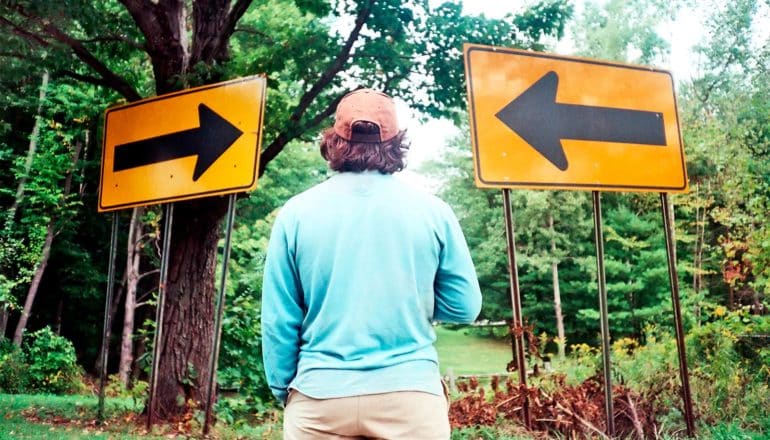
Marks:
<point>370,106</point>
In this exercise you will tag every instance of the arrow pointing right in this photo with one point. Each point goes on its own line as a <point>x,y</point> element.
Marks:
<point>208,141</point>
<point>543,123</point>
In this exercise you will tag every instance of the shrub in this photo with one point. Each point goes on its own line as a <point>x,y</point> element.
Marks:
<point>240,361</point>
<point>53,365</point>
<point>727,364</point>
<point>13,368</point>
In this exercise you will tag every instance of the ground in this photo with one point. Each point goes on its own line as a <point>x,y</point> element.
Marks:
<point>74,417</point>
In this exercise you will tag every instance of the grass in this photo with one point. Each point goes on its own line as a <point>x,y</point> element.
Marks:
<point>73,417</point>
<point>465,353</point>
<point>42,416</point>
<point>61,417</point>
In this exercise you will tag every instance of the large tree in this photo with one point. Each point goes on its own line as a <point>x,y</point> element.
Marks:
<point>311,50</point>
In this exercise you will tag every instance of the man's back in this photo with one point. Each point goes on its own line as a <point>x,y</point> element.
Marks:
<point>366,249</point>
<point>357,269</point>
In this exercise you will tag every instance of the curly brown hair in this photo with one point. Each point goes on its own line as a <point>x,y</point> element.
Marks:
<point>343,155</point>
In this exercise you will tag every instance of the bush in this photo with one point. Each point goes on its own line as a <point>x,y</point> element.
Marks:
<point>53,365</point>
<point>240,361</point>
<point>728,366</point>
<point>14,376</point>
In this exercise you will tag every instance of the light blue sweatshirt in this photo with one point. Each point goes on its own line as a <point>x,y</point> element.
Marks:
<point>357,269</point>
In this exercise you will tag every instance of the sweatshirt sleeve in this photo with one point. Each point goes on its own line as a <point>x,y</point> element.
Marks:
<point>458,296</point>
<point>282,312</point>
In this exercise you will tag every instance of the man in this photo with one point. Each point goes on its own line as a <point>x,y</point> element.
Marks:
<point>357,269</point>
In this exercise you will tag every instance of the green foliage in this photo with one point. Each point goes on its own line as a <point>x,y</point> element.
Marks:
<point>487,433</point>
<point>731,369</point>
<point>440,65</point>
<point>728,363</point>
<point>137,392</point>
<point>53,366</point>
<point>624,31</point>
<point>14,377</point>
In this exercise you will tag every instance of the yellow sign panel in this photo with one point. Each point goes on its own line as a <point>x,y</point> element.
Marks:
<point>550,122</point>
<point>194,143</point>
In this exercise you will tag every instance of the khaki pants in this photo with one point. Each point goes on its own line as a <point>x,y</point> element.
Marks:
<point>408,415</point>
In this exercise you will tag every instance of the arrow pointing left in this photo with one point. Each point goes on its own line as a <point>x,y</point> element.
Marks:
<point>543,123</point>
<point>208,141</point>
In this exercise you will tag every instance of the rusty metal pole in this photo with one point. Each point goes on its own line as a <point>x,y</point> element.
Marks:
<point>674,280</point>
<point>513,274</point>
<point>605,325</point>
<point>168,218</point>
<point>105,349</point>
<point>214,358</point>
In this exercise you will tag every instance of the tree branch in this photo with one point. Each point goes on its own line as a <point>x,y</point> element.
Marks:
<point>335,67</point>
<point>255,32</point>
<point>34,38</point>
<point>116,82</point>
<point>145,274</point>
<point>235,14</point>
<point>84,78</point>
<point>17,55</point>
<point>111,79</point>
<point>116,38</point>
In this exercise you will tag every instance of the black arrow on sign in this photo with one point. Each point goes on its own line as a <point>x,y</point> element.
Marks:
<point>208,141</point>
<point>543,123</point>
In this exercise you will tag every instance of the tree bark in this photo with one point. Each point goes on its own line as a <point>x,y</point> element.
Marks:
<point>34,285</point>
<point>133,258</point>
<point>30,151</point>
<point>11,213</point>
<point>59,312</point>
<point>46,252</point>
<point>3,318</point>
<point>188,327</point>
<point>557,295</point>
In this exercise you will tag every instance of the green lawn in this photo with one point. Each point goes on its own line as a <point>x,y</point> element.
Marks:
<point>470,354</point>
<point>73,417</point>
<point>40,416</point>
<point>60,417</point>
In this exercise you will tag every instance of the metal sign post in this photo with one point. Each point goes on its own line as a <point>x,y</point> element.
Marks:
<point>186,145</point>
<point>605,325</point>
<point>168,217</point>
<point>218,317</point>
<point>517,330</point>
<point>545,121</point>
<point>105,349</point>
<point>674,280</point>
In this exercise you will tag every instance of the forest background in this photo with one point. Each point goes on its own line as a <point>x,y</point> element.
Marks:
<point>63,66</point>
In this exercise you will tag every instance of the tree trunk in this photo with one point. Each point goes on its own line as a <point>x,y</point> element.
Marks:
<point>34,285</point>
<point>188,327</point>
<point>133,257</point>
<point>30,152</point>
<point>11,213</point>
<point>139,349</point>
<point>46,253</point>
<point>557,295</point>
<point>696,271</point>
<point>3,318</point>
<point>59,312</point>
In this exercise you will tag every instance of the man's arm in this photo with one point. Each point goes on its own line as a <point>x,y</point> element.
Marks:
<point>282,313</point>
<point>458,296</point>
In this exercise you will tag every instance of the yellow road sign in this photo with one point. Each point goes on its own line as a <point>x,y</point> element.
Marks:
<point>194,143</point>
<point>551,122</point>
